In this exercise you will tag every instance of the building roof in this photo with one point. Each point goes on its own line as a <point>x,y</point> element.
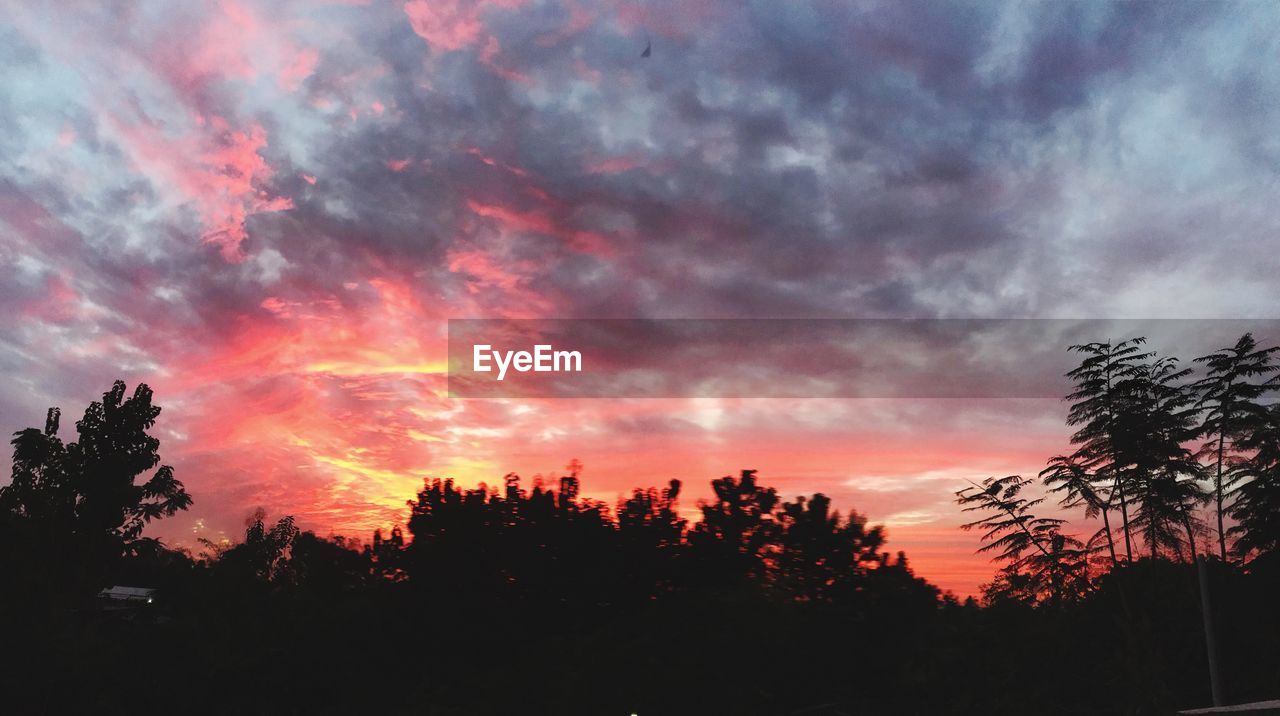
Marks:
<point>128,593</point>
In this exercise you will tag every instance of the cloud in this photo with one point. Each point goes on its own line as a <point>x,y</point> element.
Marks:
<point>449,25</point>
<point>268,210</point>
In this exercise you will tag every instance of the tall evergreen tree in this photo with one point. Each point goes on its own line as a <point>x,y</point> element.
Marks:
<point>1228,395</point>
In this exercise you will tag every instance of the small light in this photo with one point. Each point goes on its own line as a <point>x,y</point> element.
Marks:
<point>149,601</point>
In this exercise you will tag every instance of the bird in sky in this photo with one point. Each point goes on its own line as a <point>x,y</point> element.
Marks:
<point>648,48</point>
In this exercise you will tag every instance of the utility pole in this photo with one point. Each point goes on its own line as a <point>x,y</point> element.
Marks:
<point>1210,644</point>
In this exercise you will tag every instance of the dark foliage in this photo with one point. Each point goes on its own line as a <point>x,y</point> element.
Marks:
<point>535,600</point>
<point>71,511</point>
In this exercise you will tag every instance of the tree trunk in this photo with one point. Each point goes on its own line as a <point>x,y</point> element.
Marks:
<point>1153,528</point>
<point>1124,520</point>
<point>1111,543</point>
<point>1152,537</point>
<point>1217,493</point>
<point>1191,537</point>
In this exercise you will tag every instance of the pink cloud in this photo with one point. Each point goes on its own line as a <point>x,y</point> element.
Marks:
<point>217,170</point>
<point>497,286</point>
<point>541,222</point>
<point>446,25</point>
<point>60,303</point>
<point>227,188</point>
<point>449,25</point>
<point>298,68</point>
<point>614,165</point>
<point>231,42</point>
<point>490,161</point>
<point>482,270</point>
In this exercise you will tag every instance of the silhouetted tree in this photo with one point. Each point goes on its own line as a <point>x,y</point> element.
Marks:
<point>535,544</point>
<point>1157,418</point>
<point>737,530</point>
<point>1054,564</point>
<point>819,554</point>
<point>1099,400</point>
<point>653,513</point>
<point>1229,395</point>
<point>385,555</point>
<point>1066,475</point>
<point>1256,508</point>
<point>321,566</point>
<point>265,551</point>
<point>651,534</point>
<point>81,500</point>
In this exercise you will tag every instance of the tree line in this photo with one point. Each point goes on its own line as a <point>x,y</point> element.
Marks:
<point>78,508</point>
<point>518,598</point>
<point>1167,458</point>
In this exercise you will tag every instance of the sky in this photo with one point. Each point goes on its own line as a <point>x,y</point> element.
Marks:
<point>267,211</point>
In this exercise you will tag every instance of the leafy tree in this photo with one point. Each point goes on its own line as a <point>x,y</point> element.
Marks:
<point>1229,396</point>
<point>385,555</point>
<point>327,566</point>
<point>651,536</point>
<point>1158,417</point>
<point>1079,488</point>
<point>474,545</point>
<point>1256,508</point>
<point>1099,400</point>
<point>1054,564</point>
<point>40,488</point>
<point>82,499</point>
<point>653,512</point>
<point>821,555</point>
<point>265,552</point>
<point>737,530</point>
<point>457,536</point>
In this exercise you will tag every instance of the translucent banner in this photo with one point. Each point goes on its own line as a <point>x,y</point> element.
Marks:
<point>803,358</point>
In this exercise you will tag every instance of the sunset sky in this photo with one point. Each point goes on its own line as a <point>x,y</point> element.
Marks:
<point>268,210</point>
